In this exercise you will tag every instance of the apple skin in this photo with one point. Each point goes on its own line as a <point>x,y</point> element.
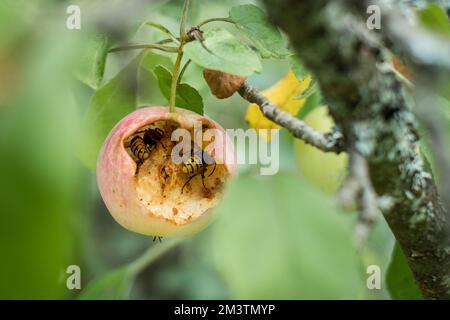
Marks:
<point>116,174</point>
<point>325,170</point>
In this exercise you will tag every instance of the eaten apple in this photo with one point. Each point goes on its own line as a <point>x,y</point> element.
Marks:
<point>145,193</point>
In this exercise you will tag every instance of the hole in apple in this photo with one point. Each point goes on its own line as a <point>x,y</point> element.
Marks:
<point>175,192</point>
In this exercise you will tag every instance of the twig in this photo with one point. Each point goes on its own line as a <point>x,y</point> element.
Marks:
<point>215,20</point>
<point>183,19</point>
<point>167,40</point>
<point>358,186</point>
<point>176,67</point>
<point>196,34</point>
<point>144,46</point>
<point>329,142</point>
<point>183,70</point>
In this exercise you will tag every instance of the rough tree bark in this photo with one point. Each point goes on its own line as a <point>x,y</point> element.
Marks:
<point>372,108</point>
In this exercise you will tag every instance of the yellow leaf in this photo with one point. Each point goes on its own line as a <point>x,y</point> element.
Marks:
<point>284,95</point>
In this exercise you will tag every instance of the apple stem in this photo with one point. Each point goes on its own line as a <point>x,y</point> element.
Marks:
<point>176,67</point>
<point>152,254</point>
<point>175,74</point>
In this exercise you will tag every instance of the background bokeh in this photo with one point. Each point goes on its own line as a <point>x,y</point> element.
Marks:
<point>275,237</point>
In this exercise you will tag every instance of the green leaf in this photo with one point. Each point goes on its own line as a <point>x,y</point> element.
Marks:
<point>399,278</point>
<point>187,97</point>
<point>109,104</point>
<point>148,87</point>
<point>252,21</point>
<point>115,285</point>
<point>230,55</point>
<point>288,244</point>
<point>435,18</point>
<point>92,63</point>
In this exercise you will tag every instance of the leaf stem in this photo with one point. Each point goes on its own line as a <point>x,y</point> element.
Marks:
<point>215,20</point>
<point>183,19</point>
<point>168,40</point>
<point>176,69</point>
<point>152,254</point>
<point>163,29</point>
<point>183,70</point>
<point>144,46</point>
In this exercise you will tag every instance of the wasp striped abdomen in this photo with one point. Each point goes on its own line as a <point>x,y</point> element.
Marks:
<point>193,165</point>
<point>196,165</point>
<point>139,148</point>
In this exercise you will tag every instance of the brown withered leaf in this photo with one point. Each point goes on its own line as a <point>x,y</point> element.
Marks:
<point>223,85</point>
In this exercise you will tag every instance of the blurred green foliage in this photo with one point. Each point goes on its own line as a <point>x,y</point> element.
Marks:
<point>114,285</point>
<point>277,238</point>
<point>39,178</point>
<point>93,60</point>
<point>109,104</point>
<point>435,18</point>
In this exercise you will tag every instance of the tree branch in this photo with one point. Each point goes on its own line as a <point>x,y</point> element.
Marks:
<point>299,129</point>
<point>425,47</point>
<point>430,59</point>
<point>358,187</point>
<point>371,105</point>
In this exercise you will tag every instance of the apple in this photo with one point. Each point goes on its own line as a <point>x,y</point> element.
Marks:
<point>146,196</point>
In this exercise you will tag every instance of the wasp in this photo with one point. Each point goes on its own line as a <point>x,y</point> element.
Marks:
<point>153,136</point>
<point>142,144</point>
<point>198,164</point>
<point>139,148</point>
